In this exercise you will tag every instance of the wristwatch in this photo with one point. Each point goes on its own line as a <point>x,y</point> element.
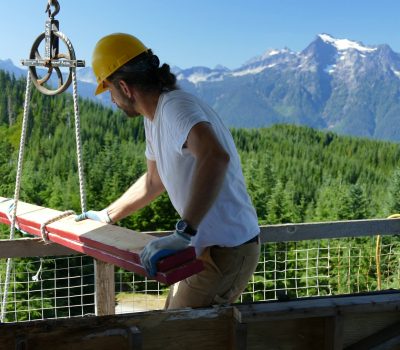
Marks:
<point>182,226</point>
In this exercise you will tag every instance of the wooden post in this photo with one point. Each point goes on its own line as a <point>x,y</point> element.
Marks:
<point>334,333</point>
<point>239,336</point>
<point>135,338</point>
<point>104,288</point>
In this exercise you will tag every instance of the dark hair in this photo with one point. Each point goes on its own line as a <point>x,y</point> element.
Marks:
<point>144,71</point>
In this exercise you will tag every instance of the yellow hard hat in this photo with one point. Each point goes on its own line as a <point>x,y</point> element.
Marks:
<point>112,52</point>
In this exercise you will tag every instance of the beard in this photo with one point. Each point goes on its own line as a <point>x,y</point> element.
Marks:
<point>130,112</point>
<point>128,107</point>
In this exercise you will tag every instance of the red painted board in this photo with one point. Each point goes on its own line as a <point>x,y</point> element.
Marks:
<point>114,239</point>
<point>167,277</point>
<point>119,245</point>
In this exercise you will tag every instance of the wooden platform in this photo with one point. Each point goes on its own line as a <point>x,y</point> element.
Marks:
<point>109,243</point>
<point>370,321</point>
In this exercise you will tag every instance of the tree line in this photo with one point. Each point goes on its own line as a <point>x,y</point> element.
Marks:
<point>293,173</point>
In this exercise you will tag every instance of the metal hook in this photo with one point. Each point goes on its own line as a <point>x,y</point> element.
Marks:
<point>56,10</point>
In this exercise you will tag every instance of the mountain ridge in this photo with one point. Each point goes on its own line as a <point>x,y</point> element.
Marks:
<point>333,84</point>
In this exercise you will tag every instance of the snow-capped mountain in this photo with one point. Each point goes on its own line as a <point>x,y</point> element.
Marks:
<point>200,74</point>
<point>333,84</point>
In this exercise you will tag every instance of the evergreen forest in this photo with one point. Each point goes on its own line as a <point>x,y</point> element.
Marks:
<point>293,173</point>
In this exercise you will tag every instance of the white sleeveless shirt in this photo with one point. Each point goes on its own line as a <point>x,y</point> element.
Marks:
<point>232,219</point>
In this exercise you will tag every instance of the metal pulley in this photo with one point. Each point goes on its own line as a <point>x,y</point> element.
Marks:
<point>52,60</point>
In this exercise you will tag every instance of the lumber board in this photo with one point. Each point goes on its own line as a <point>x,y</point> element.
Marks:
<point>157,330</point>
<point>385,338</point>
<point>109,243</point>
<point>114,239</point>
<point>320,307</point>
<point>31,247</point>
<point>329,230</point>
<point>218,327</point>
<point>333,329</point>
<point>331,322</point>
<point>105,288</point>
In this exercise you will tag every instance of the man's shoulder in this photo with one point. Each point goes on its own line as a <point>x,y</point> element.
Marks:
<point>178,95</point>
<point>178,100</point>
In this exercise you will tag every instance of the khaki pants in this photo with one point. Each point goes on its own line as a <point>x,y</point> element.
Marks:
<point>225,276</point>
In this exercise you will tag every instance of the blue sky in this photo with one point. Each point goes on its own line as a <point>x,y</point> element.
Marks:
<point>190,33</point>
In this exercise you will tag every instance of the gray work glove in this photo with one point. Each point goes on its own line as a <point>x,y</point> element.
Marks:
<point>101,216</point>
<point>162,247</point>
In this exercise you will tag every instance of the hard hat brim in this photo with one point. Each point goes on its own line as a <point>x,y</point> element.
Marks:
<point>100,89</point>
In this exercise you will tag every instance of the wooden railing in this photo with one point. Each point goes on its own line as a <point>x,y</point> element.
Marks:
<point>104,272</point>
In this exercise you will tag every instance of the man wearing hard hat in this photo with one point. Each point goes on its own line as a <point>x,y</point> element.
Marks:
<point>191,155</point>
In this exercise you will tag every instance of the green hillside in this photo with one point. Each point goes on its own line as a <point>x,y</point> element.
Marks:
<point>294,174</point>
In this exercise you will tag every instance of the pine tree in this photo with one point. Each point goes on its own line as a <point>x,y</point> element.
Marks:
<point>354,205</point>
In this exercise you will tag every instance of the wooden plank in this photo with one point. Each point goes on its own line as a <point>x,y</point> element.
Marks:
<point>285,334</point>
<point>167,277</point>
<point>164,266</point>
<point>199,329</point>
<point>135,339</point>
<point>120,241</point>
<point>111,338</point>
<point>109,243</point>
<point>334,333</point>
<point>239,336</point>
<point>171,276</point>
<point>31,247</point>
<point>319,307</point>
<point>311,327</point>
<point>325,230</point>
<point>105,288</point>
<point>358,326</point>
<point>207,328</point>
<point>387,338</point>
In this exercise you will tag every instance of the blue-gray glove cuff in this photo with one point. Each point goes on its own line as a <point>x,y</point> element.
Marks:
<point>101,216</point>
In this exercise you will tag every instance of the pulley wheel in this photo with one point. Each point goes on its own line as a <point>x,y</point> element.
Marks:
<point>40,76</point>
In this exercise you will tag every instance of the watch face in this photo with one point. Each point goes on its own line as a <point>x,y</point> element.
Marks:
<point>181,225</point>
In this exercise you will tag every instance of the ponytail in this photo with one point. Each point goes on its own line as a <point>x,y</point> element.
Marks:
<point>144,71</point>
<point>166,78</point>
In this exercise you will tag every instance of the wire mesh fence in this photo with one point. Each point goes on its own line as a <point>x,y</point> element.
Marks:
<point>43,288</point>
<point>325,267</point>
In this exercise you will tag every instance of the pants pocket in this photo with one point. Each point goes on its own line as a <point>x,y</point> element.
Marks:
<point>237,270</point>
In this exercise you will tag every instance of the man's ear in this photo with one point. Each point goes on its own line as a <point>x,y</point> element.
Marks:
<point>125,88</point>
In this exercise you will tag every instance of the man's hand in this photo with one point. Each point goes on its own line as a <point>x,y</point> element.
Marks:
<point>162,247</point>
<point>101,216</point>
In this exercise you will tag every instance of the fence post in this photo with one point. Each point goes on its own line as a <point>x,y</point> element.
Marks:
<point>104,288</point>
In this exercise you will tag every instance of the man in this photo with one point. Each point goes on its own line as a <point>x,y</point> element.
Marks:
<point>191,155</point>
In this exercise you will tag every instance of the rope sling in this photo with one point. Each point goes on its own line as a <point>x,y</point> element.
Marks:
<point>52,60</point>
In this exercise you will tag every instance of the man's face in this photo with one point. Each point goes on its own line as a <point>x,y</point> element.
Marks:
<point>122,101</point>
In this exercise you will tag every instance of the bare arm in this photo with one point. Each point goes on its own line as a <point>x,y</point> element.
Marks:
<point>211,164</point>
<point>148,187</point>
